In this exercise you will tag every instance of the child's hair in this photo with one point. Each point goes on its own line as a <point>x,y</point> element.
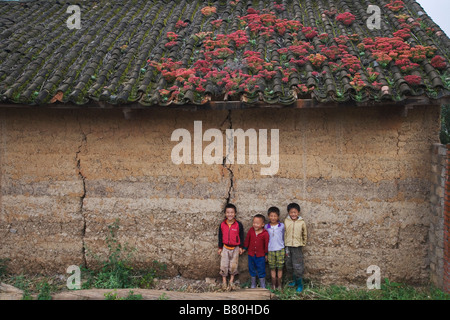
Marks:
<point>274,210</point>
<point>260,216</point>
<point>230,205</point>
<point>293,205</point>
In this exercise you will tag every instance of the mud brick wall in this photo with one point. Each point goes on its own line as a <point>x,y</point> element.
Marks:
<point>361,176</point>
<point>446,259</point>
<point>436,232</point>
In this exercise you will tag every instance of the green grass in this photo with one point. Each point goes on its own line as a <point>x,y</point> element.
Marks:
<point>131,296</point>
<point>389,291</point>
<point>41,287</point>
<point>45,291</point>
<point>115,271</point>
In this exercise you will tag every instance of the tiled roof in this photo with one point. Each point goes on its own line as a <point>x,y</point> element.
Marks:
<point>197,52</point>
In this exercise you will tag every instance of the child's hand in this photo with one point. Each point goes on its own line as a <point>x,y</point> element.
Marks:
<point>241,251</point>
<point>219,251</point>
<point>267,258</point>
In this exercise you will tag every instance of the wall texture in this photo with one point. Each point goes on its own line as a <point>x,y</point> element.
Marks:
<point>361,176</point>
<point>446,271</point>
<point>436,232</point>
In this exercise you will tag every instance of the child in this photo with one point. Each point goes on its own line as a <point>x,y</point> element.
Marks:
<point>295,239</point>
<point>231,235</point>
<point>276,255</point>
<point>257,242</point>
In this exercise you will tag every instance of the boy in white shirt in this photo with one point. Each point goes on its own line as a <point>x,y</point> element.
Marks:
<point>276,256</point>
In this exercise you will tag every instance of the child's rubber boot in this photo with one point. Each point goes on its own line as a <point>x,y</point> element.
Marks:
<point>253,285</point>
<point>262,282</point>
<point>299,285</point>
<point>293,283</point>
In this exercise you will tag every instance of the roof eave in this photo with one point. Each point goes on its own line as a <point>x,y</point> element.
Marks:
<point>230,105</point>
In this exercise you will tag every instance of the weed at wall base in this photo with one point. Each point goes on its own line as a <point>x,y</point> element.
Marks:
<point>115,272</point>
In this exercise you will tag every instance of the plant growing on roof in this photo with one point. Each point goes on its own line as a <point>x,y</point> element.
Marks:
<point>255,63</point>
<point>219,53</point>
<point>419,53</point>
<point>395,5</point>
<point>404,33</point>
<point>335,67</point>
<point>286,72</point>
<point>172,36</point>
<point>168,68</point>
<point>351,62</point>
<point>317,59</point>
<point>216,76</point>
<point>377,85</point>
<point>279,7</point>
<point>402,18</point>
<point>217,23</point>
<point>201,35</point>
<point>239,37</point>
<point>330,13</point>
<point>323,37</point>
<point>309,32</point>
<point>207,11</point>
<point>372,75</point>
<point>438,62</point>
<point>357,83</point>
<point>361,47</point>
<point>123,48</point>
<point>406,65</point>
<point>300,49</point>
<point>303,89</point>
<point>180,24</point>
<point>346,18</point>
<point>164,93</point>
<point>413,80</point>
<point>332,52</point>
<point>232,81</point>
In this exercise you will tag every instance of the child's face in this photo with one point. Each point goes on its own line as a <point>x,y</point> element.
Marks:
<point>293,213</point>
<point>273,218</point>
<point>258,223</point>
<point>230,214</point>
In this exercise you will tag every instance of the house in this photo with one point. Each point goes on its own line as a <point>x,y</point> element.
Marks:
<point>348,91</point>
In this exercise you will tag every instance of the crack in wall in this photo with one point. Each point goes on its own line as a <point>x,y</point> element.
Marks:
<point>83,195</point>
<point>230,146</point>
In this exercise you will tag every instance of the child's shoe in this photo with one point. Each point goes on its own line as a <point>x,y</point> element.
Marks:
<point>299,285</point>
<point>253,285</point>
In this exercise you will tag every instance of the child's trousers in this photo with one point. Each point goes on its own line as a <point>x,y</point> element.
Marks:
<point>257,266</point>
<point>294,261</point>
<point>229,262</point>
